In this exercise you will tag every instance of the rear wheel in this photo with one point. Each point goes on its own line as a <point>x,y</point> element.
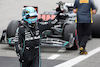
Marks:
<point>70,29</point>
<point>96,26</point>
<point>11,29</point>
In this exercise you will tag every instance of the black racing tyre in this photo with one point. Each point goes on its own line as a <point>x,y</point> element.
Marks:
<point>96,26</point>
<point>70,28</point>
<point>75,46</point>
<point>11,29</point>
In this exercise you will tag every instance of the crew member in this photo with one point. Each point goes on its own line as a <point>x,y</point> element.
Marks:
<point>84,10</point>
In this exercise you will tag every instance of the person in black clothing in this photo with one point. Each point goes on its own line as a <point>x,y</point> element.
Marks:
<point>27,39</point>
<point>84,10</point>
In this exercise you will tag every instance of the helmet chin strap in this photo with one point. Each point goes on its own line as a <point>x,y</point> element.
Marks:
<point>32,25</point>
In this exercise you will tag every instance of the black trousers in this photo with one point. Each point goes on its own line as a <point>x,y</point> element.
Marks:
<point>84,31</point>
<point>31,60</point>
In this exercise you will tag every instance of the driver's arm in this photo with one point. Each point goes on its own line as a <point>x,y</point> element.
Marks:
<point>19,40</point>
<point>43,27</point>
<point>46,25</point>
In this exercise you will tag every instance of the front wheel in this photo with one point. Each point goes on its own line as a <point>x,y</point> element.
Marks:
<point>11,31</point>
<point>70,29</point>
<point>75,45</point>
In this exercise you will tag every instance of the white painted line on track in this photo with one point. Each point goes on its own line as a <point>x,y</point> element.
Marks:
<point>78,59</point>
<point>54,56</point>
<point>62,50</point>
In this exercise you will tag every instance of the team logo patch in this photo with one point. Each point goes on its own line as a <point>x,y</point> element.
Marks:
<point>84,1</point>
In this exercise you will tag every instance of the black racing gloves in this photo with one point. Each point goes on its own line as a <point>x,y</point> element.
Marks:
<point>17,49</point>
<point>20,56</point>
<point>21,59</point>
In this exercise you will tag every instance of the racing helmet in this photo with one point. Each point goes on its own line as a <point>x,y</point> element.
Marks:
<point>29,15</point>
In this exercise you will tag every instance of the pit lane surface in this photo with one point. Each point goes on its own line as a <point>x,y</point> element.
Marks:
<point>52,57</point>
<point>11,10</point>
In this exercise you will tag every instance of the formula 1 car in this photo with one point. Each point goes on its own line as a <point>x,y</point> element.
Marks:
<point>63,33</point>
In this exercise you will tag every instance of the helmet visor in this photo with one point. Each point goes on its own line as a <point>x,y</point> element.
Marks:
<point>32,17</point>
<point>33,14</point>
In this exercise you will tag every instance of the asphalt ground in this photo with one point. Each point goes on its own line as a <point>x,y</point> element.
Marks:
<point>8,56</point>
<point>12,9</point>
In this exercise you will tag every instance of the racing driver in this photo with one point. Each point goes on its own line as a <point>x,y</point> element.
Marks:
<point>27,38</point>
